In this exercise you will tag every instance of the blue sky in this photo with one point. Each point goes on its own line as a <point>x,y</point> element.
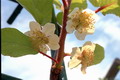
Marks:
<point>36,67</point>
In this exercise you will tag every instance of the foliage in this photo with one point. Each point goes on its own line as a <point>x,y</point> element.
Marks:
<point>15,43</point>
<point>113,9</point>
<point>35,7</point>
<point>99,54</point>
<point>82,4</point>
<point>59,17</point>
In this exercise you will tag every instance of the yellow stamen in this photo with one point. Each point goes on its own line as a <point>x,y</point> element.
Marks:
<point>38,39</point>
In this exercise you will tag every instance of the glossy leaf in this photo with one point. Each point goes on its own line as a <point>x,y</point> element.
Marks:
<point>98,54</point>
<point>15,43</point>
<point>41,10</point>
<point>113,9</point>
<point>82,4</point>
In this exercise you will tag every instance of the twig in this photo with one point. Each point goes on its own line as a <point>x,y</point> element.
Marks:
<point>48,56</point>
<point>103,7</point>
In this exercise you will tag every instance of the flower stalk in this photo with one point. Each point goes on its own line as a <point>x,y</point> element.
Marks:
<point>103,7</point>
<point>48,56</point>
<point>67,54</point>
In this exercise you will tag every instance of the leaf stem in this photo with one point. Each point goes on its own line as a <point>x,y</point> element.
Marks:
<point>48,56</point>
<point>103,7</point>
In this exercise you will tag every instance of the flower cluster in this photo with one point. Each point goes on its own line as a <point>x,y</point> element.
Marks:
<point>83,56</point>
<point>81,21</point>
<point>43,37</point>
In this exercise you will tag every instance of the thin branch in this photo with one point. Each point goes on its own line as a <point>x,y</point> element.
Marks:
<point>48,56</point>
<point>103,7</point>
<point>65,3</point>
<point>67,54</point>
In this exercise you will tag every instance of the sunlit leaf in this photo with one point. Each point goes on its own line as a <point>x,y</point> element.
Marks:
<point>40,9</point>
<point>98,54</point>
<point>82,4</point>
<point>15,43</point>
<point>113,9</point>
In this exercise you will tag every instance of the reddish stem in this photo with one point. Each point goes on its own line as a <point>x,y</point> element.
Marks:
<point>60,55</point>
<point>67,54</point>
<point>48,56</point>
<point>103,7</point>
<point>55,72</point>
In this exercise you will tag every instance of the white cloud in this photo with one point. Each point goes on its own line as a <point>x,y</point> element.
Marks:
<point>30,67</point>
<point>110,27</point>
<point>109,34</point>
<point>103,41</point>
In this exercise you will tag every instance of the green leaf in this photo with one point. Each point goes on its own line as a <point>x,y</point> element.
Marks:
<point>113,9</point>
<point>57,4</point>
<point>119,67</point>
<point>15,43</point>
<point>98,54</point>
<point>59,17</point>
<point>82,4</point>
<point>41,10</point>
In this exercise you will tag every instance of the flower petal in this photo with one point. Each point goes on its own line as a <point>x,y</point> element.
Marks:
<point>43,48</point>
<point>27,33</point>
<point>73,12</point>
<point>75,51</point>
<point>53,42</point>
<point>80,36</point>
<point>74,62</point>
<point>53,38</point>
<point>91,30</point>
<point>83,69</point>
<point>88,11</point>
<point>48,28</point>
<point>54,46</point>
<point>35,26</point>
<point>89,45</point>
<point>70,27</point>
<point>94,16</point>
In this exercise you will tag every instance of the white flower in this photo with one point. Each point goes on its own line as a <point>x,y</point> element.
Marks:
<point>43,37</point>
<point>81,21</point>
<point>83,56</point>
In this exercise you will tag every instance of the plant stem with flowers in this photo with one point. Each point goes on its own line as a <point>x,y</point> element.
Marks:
<point>57,67</point>
<point>42,38</point>
<point>55,72</point>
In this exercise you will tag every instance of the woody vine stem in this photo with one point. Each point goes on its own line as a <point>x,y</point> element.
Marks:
<point>55,71</point>
<point>60,56</point>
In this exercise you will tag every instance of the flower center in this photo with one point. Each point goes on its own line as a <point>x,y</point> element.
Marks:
<point>87,57</point>
<point>38,39</point>
<point>75,18</point>
<point>86,19</point>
